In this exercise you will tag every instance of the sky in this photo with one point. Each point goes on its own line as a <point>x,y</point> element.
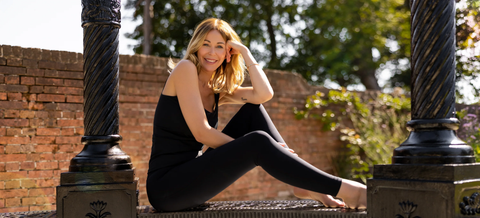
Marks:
<point>56,25</point>
<point>52,25</point>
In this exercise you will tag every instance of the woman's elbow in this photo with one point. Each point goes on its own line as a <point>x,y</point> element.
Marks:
<point>267,96</point>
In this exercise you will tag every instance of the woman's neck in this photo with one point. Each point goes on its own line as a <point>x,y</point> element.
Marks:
<point>204,76</point>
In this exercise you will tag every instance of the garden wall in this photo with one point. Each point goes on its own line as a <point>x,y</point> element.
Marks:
<point>41,124</point>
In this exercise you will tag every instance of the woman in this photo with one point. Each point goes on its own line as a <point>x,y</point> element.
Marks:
<point>210,75</point>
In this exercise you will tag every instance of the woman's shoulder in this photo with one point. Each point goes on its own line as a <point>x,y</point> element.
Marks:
<point>185,65</point>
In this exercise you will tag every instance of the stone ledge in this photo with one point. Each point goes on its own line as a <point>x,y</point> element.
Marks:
<point>233,209</point>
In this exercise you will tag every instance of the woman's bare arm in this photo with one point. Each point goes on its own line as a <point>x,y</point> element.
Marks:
<point>260,91</point>
<point>185,81</point>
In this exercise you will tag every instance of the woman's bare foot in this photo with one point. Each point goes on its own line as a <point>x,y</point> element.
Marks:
<point>354,194</point>
<point>326,200</point>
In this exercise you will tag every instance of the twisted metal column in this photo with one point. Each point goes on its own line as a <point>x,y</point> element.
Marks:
<point>432,138</point>
<point>101,24</point>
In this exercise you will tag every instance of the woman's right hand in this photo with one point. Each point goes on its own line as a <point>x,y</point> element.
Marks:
<point>284,145</point>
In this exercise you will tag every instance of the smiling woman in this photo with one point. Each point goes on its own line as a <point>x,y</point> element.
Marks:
<point>210,74</point>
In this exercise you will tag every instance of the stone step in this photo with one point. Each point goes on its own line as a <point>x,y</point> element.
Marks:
<point>234,209</point>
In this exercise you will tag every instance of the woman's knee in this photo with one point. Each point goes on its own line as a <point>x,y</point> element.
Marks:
<point>260,138</point>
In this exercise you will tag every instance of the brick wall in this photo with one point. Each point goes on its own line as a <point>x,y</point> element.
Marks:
<point>41,124</point>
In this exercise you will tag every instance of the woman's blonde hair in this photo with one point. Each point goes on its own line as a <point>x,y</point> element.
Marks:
<point>229,75</point>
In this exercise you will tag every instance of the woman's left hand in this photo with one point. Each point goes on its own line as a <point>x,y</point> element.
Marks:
<point>234,47</point>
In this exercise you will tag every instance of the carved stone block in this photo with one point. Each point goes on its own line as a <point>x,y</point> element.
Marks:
<point>421,191</point>
<point>97,194</point>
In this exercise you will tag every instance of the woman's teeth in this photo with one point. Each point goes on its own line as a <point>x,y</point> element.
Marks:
<point>210,61</point>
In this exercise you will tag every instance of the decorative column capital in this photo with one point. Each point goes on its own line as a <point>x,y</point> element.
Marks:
<point>101,11</point>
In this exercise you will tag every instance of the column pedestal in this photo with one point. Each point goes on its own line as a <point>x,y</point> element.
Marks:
<point>93,194</point>
<point>422,191</point>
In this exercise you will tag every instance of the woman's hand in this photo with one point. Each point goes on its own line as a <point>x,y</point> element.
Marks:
<point>286,147</point>
<point>234,47</point>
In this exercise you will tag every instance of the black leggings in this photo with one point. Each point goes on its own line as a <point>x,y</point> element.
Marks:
<point>196,181</point>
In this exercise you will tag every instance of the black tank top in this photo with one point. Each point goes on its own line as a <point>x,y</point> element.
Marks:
<point>173,143</point>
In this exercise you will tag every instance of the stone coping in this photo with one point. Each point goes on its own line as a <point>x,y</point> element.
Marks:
<point>233,209</point>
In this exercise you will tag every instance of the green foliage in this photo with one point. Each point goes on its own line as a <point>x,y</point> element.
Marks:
<point>371,128</point>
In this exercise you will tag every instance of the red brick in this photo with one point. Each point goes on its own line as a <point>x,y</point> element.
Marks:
<point>45,200</point>
<point>49,81</point>
<point>3,96</point>
<point>75,67</point>
<point>13,70</point>
<point>3,61</point>
<point>40,174</point>
<point>19,149</point>
<point>2,168</point>
<point>48,131</point>
<point>13,88</point>
<point>28,183</point>
<point>3,131</point>
<point>12,176</point>
<point>31,97</point>
<point>12,167</point>
<point>50,89</point>
<point>13,105</point>
<point>69,115</point>
<point>70,107</point>
<point>74,99</point>
<point>13,209</point>
<point>29,63</point>
<point>13,122</point>
<point>28,201</point>
<point>12,184</point>
<point>12,79</point>
<point>28,131</point>
<point>50,106</point>
<point>73,83</point>
<point>47,64</point>
<point>70,90</point>
<point>27,165</point>
<point>68,140</point>
<point>43,207</point>
<point>42,191</point>
<point>36,89</point>
<point>11,113</point>
<point>79,115</point>
<point>12,51</point>
<point>51,98</point>
<point>14,131</point>
<point>53,148</point>
<point>79,131</point>
<point>68,131</point>
<point>35,106</point>
<point>43,140</point>
<point>12,202</point>
<point>41,114</point>
<point>35,72</point>
<point>14,140</point>
<point>45,182</point>
<point>26,80</point>
<point>14,96</point>
<point>27,114</point>
<point>70,122</point>
<point>46,166</point>
<point>65,148</point>
<point>64,74</point>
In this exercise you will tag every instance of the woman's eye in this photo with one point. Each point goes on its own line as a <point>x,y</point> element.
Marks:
<point>205,44</point>
<point>220,46</point>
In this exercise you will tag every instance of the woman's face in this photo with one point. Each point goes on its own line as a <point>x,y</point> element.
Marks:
<point>212,52</point>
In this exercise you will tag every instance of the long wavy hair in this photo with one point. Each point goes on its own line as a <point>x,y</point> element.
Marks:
<point>229,75</point>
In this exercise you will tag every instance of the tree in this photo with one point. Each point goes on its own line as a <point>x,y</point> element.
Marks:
<point>342,40</point>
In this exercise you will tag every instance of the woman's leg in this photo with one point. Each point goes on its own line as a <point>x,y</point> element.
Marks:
<point>254,117</point>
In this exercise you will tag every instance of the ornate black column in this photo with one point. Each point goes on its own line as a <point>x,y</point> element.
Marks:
<point>432,138</point>
<point>433,173</point>
<point>101,25</point>
<point>101,177</point>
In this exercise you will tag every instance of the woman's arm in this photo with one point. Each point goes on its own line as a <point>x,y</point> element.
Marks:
<point>185,81</point>
<point>260,91</point>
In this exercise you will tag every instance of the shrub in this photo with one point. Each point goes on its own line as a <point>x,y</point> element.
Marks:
<point>371,128</point>
<point>469,130</point>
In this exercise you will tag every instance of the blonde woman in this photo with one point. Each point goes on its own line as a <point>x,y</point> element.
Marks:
<point>210,75</point>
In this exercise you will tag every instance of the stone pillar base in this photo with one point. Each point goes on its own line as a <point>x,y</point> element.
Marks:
<point>97,194</point>
<point>421,191</point>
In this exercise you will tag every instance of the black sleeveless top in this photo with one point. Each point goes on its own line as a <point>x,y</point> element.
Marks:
<point>173,143</point>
